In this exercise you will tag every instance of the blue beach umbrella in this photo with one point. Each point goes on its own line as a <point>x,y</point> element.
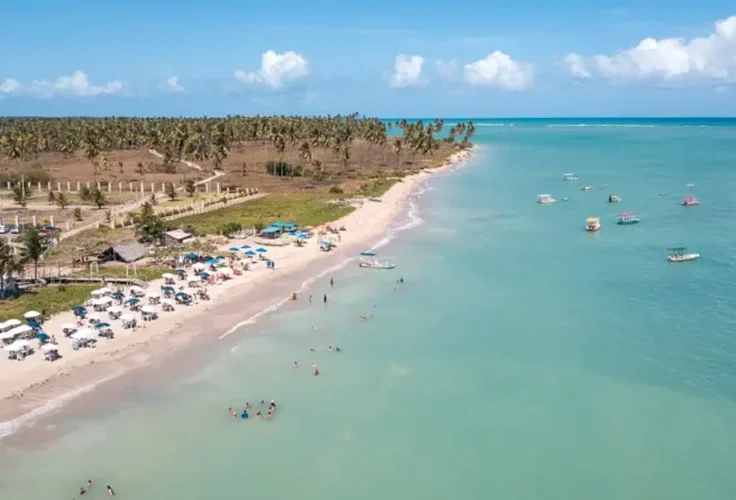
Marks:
<point>211,262</point>
<point>102,325</point>
<point>167,288</point>
<point>261,250</point>
<point>250,253</point>
<point>34,324</point>
<point>182,295</point>
<point>42,336</point>
<point>79,309</point>
<point>245,246</point>
<point>191,256</point>
<point>234,249</point>
<point>181,271</point>
<point>204,274</point>
<point>132,301</point>
<point>118,295</point>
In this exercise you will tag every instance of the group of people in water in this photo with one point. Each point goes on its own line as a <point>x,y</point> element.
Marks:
<point>245,414</point>
<point>85,489</point>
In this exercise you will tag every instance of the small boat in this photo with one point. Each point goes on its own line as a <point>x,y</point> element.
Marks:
<point>586,188</point>
<point>690,201</point>
<point>569,177</point>
<point>565,199</point>
<point>678,254</point>
<point>592,224</point>
<point>690,185</point>
<point>545,199</point>
<point>612,198</point>
<point>370,260</point>
<point>627,218</point>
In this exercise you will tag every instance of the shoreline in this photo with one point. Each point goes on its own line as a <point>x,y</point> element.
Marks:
<point>38,388</point>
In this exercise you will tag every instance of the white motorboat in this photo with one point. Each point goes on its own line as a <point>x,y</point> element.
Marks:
<point>678,254</point>
<point>369,260</point>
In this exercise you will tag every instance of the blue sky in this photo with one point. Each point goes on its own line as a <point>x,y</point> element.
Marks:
<point>380,58</point>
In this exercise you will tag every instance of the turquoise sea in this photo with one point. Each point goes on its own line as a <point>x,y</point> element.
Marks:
<point>523,358</point>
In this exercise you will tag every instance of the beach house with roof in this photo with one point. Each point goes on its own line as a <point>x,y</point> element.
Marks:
<point>128,252</point>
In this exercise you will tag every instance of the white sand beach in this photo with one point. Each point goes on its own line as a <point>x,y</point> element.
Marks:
<point>26,386</point>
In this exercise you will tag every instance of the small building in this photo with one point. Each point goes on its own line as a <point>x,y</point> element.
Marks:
<point>127,252</point>
<point>176,237</point>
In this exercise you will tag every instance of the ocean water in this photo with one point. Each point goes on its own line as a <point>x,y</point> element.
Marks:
<point>523,358</point>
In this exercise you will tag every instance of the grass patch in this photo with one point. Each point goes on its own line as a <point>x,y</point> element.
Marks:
<point>52,299</point>
<point>145,273</point>
<point>305,209</point>
<point>377,187</point>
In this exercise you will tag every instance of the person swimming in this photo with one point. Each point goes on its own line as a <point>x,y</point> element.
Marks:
<point>258,415</point>
<point>329,348</point>
<point>248,406</point>
<point>315,370</point>
<point>244,415</point>
<point>110,491</point>
<point>295,365</point>
<point>337,349</point>
<point>232,412</point>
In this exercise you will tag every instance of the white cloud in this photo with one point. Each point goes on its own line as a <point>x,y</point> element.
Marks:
<point>407,71</point>
<point>172,85</point>
<point>575,65</point>
<point>276,70</point>
<point>448,70</point>
<point>674,59</point>
<point>76,85</point>
<point>500,70</point>
<point>9,86</point>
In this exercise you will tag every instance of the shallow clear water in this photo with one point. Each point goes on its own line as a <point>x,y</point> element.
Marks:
<point>525,358</point>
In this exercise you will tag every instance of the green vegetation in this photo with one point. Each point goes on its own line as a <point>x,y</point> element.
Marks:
<point>306,209</point>
<point>51,299</point>
<point>377,187</point>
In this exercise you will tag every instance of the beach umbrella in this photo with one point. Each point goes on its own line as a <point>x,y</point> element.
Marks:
<point>182,295</point>
<point>32,314</point>
<point>42,336</point>
<point>191,256</point>
<point>68,326</point>
<point>220,257</point>
<point>181,271</point>
<point>148,310</point>
<point>234,249</point>
<point>261,250</point>
<point>167,288</point>
<point>12,323</point>
<point>102,325</point>
<point>245,246</point>
<point>211,262</point>
<point>168,276</point>
<point>250,253</point>
<point>204,274</point>
<point>79,309</point>
<point>49,347</point>
<point>33,324</point>
<point>84,333</point>
<point>132,301</point>
<point>118,295</point>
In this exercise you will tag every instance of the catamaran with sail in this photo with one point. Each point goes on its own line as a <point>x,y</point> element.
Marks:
<point>370,260</point>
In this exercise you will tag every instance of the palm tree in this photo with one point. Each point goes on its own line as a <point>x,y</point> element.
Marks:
<point>33,248</point>
<point>398,145</point>
<point>305,153</point>
<point>8,263</point>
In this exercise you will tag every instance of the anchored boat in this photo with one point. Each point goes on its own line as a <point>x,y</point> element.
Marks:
<point>545,199</point>
<point>569,177</point>
<point>592,224</point>
<point>679,254</point>
<point>612,198</point>
<point>627,218</point>
<point>370,260</point>
<point>690,201</point>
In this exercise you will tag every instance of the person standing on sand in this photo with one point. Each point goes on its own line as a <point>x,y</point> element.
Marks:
<point>310,298</point>
<point>332,282</point>
<point>325,299</point>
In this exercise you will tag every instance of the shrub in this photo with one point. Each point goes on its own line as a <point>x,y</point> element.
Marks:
<point>336,190</point>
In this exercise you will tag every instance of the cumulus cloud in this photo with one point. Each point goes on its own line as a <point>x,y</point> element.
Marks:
<point>407,71</point>
<point>172,85</point>
<point>674,59</point>
<point>276,70</point>
<point>500,70</point>
<point>575,65</point>
<point>75,85</point>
